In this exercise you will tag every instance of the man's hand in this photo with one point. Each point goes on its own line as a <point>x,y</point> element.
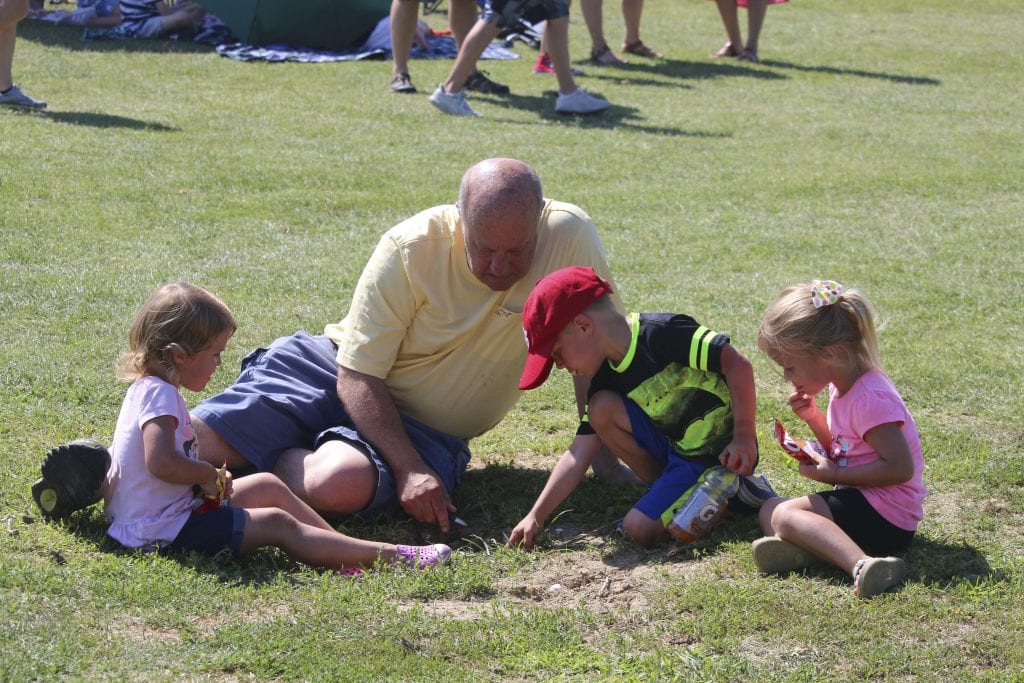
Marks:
<point>424,498</point>
<point>524,533</point>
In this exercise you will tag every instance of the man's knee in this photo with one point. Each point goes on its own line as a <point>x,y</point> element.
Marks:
<point>335,479</point>
<point>605,408</point>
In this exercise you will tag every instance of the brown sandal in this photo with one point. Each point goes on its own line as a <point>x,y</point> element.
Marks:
<point>603,56</point>
<point>638,48</point>
<point>748,55</point>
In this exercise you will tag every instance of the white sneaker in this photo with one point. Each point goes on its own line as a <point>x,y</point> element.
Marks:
<point>453,103</point>
<point>15,98</point>
<point>580,102</point>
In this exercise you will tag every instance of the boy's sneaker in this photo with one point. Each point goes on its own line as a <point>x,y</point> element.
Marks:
<point>453,103</point>
<point>755,490</point>
<point>772,555</point>
<point>73,475</point>
<point>402,84</point>
<point>580,102</point>
<point>423,556</point>
<point>479,82</point>
<point>874,575</point>
<point>16,98</point>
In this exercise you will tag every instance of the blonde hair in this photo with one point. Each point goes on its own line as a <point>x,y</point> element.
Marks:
<point>177,318</point>
<point>794,326</point>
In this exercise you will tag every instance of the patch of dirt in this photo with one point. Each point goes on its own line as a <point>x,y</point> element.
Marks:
<point>135,630</point>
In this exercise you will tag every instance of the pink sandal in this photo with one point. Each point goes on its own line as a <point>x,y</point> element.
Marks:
<point>423,556</point>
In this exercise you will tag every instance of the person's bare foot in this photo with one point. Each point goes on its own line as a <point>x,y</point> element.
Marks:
<point>727,51</point>
<point>748,55</point>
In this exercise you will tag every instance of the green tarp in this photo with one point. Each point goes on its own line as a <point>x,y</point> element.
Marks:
<point>321,24</point>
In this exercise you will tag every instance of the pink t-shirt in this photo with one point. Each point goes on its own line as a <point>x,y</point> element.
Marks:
<point>872,401</point>
<point>142,508</point>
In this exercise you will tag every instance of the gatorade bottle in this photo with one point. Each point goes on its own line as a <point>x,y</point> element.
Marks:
<point>703,504</point>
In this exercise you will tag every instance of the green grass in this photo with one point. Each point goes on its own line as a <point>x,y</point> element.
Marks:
<point>878,143</point>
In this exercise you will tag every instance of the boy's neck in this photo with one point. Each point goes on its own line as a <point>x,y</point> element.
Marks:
<point>617,335</point>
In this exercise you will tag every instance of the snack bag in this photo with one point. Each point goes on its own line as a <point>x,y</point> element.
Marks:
<point>797,448</point>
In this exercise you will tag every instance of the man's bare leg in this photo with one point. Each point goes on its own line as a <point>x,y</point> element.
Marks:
<point>215,450</point>
<point>336,479</point>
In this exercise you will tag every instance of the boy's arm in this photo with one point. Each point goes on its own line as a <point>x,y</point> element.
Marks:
<point>564,478</point>
<point>741,453</point>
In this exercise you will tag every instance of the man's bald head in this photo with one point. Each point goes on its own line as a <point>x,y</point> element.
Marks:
<point>500,201</point>
<point>498,187</point>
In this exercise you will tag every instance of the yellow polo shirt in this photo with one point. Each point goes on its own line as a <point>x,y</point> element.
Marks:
<point>449,349</point>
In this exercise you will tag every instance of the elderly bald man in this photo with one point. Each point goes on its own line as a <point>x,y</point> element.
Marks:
<point>373,417</point>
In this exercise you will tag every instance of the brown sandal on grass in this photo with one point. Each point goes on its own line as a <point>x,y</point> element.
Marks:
<point>748,55</point>
<point>603,56</point>
<point>638,48</point>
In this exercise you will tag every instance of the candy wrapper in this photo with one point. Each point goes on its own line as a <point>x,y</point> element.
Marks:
<point>800,449</point>
<point>212,502</point>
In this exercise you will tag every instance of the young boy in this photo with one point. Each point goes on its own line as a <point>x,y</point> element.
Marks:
<point>668,397</point>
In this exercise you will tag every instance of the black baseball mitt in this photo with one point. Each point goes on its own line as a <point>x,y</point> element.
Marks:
<point>72,476</point>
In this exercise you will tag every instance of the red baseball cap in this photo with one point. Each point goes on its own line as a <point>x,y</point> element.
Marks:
<point>556,299</point>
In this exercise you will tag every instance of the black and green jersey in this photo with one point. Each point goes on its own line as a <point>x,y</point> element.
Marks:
<point>673,372</point>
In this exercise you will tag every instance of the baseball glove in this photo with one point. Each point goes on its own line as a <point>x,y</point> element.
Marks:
<point>72,476</point>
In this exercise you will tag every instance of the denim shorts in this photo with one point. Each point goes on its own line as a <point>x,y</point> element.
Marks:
<point>211,532</point>
<point>286,397</point>
<point>508,12</point>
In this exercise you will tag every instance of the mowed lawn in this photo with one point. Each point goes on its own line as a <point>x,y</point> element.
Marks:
<point>877,143</point>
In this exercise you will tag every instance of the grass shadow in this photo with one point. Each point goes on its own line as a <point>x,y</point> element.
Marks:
<point>859,73</point>
<point>100,120</point>
<point>617,117</point>
<point>938,562</point>
<point>680,70</point>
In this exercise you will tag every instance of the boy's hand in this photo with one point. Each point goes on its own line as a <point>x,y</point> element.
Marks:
<point>524,533</point>
<point>740,455</point>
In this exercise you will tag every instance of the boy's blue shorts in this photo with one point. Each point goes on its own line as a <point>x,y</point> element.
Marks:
<point>508,12</point>
<point>212,531</point>
<point>286,397</point>
<point>679,474</point>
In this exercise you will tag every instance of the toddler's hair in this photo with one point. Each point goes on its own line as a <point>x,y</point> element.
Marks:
<point>179,317</point>
<point>793,325</point>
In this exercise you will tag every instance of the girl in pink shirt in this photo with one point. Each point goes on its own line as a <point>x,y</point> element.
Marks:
<point>159,494</point>
<point>823,337</point>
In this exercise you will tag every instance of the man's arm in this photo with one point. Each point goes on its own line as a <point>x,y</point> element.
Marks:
<point>369,404</point>
<point>564,478</point>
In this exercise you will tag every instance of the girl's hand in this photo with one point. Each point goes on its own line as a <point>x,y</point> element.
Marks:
<point>217,487</point>
<point>228,485</point>
<point>819,468</point>
<point>804,406</point>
